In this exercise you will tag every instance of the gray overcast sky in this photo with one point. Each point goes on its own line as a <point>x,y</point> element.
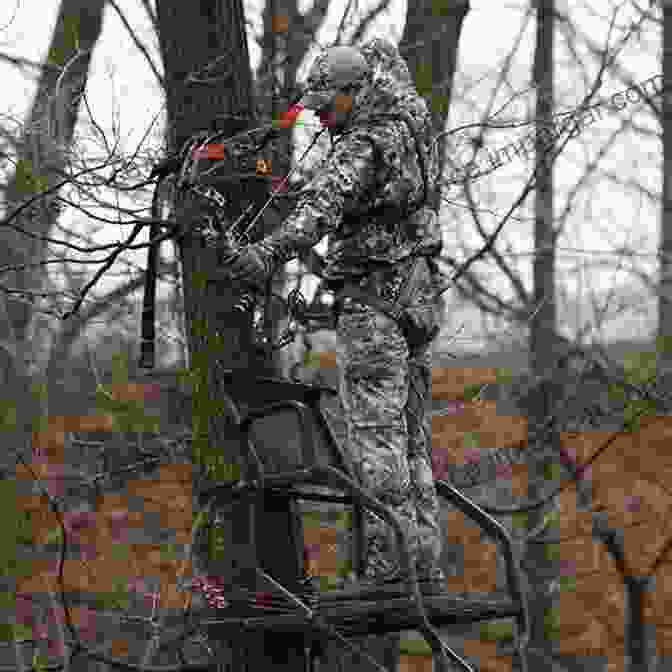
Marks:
<point>122,86</point>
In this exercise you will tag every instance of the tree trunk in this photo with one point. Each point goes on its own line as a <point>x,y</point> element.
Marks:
<point>220,338</point>
<point>42,158</point>
<point>665,295</point>
<point>543,337</point>
<point>432,36</point>
<point>45,141</point>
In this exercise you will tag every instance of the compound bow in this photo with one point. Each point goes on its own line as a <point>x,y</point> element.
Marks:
<point>185,172</point>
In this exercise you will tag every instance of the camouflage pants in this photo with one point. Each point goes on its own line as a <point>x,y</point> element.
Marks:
<point>385,390</point>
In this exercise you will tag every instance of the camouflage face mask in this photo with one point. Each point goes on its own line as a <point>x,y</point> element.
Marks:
<point>318,99</point>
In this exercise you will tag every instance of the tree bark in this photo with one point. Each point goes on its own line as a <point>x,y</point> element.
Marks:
<point>209,41</point>
<point>42,158</point>
<point>45,141</point>
<point>665,295</point>
<point>543,337</point>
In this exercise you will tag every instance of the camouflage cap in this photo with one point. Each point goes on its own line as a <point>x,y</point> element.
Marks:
<point>333,70</point>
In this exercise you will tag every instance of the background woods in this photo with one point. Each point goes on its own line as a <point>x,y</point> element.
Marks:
<point>133,537</point>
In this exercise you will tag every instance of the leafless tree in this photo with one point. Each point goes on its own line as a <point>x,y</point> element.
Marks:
<point>41,160</point>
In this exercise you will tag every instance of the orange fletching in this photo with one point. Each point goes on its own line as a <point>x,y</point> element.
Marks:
<point>214,152</point>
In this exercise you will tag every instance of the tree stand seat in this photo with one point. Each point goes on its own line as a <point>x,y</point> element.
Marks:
<point>290,454</point>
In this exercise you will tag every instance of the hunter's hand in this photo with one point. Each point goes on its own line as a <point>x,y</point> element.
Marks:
<point>252,265</point>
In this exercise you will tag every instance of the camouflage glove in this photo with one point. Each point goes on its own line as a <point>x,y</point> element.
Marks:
<point>253,265</point>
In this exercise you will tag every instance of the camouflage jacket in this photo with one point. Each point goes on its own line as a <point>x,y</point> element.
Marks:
<point>369,194</point>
